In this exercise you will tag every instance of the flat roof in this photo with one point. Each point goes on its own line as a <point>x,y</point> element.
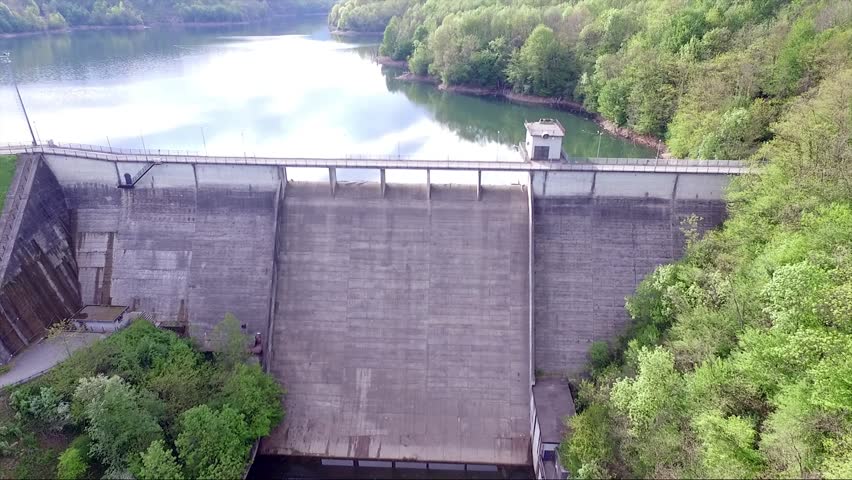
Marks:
<point>99,313</point>
<point>545,126</point>
<point>553,402</point>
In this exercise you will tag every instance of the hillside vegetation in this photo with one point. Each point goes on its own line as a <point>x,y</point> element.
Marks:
<point>739,362</point>
<point>7,171</point>
<point>708,76</point>
<point>142,404</point>
<point>17,16</point>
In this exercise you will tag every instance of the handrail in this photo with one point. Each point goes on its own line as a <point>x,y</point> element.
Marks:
<point>637,165</point>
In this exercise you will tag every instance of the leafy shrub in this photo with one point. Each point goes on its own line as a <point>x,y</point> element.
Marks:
<point>72,465</point>
<point>158,462</point>
<point>43,405</point>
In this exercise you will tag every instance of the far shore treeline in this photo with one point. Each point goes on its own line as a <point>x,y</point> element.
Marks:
<point>26,16</point>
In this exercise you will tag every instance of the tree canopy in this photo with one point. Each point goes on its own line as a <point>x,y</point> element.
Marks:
<point>737,364</point>
<point>18,16</point>
<point>708,76</point>
<point>145,402</point>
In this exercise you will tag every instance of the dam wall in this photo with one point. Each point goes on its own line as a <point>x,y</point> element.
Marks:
<point>188,244</point>
<point>596,236</point>
<point>405,320</point>
<point>39,272</point>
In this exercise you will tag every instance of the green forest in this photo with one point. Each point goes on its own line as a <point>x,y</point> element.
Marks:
<point>18,16</point>
<point>708,76</point>
<point>739,359</point>
<point>142,403</point>
<point>738,362</point>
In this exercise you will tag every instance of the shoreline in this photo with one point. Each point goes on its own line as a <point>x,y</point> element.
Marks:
<point>145,26</point>
<point>355,33</point>
<point>570,106</point>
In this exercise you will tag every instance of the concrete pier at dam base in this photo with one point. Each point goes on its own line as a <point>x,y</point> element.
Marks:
<point>405,321</point>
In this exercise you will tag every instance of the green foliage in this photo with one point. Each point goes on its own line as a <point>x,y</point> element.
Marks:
<point>230,343</point>
<point>132,393</point>
<point>737,364</point>
<point>599,356</point>
<point>117,421</point>
<point>7,162</point>
<point>41,405</point>
<point>256,396</point>
<point>365,15</point>
<point>728,446</point>
<point>213,443</point>
<point>72,464</point>
<point>709,76</point>
<point>38,15</point>
<point>159,462</point>
<point>654,393</point>
<point>591,446</point>
<point>542,66</point>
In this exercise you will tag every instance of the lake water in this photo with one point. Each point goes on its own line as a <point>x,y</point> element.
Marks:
<point>285,87</point>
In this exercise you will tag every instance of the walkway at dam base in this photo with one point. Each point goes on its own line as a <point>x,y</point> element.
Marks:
<point>407,321</point>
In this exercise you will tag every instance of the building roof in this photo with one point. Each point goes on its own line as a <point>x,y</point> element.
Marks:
<point>99,313</point>
<point>545,127</point>
<point>553,403</point>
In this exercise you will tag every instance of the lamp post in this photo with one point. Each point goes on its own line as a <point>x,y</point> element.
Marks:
<point>6,57</point>
<point>600,136</point>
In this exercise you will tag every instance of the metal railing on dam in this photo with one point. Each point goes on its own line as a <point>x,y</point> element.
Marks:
<point>635,165</point>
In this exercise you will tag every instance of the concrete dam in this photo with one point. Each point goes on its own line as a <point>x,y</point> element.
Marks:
<point>406,321</point>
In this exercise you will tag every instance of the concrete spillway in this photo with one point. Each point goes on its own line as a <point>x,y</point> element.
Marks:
<point>405,322</point>
<point>402,327</point>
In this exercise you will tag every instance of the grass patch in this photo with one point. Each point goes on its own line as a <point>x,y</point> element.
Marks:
<point>7,171</point>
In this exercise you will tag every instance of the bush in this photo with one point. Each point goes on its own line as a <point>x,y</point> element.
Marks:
<point>256,396</point>
<point>158,462</point>
<point>72,465</point>
<point>43,406</point>
<point>599,355</point>
<point>213,443</point>
<point>118,424</point>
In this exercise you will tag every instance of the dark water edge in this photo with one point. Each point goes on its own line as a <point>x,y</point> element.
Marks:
<point>281,467</point>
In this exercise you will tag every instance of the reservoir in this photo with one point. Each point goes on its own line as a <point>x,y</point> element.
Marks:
<point>285,87</point>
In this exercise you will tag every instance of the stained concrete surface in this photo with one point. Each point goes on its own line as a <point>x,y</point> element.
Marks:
<point>39,282</point>
<point>181,246</point>
<point>402,325</point>
<point>590,254</point>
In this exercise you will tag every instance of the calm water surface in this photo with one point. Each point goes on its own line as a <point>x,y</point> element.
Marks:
<point>285,88</point>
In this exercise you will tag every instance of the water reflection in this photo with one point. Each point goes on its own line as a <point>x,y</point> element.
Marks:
<point>284,87</point>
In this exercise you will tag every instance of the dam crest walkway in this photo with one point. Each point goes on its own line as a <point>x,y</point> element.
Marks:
<point>635,165</point>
